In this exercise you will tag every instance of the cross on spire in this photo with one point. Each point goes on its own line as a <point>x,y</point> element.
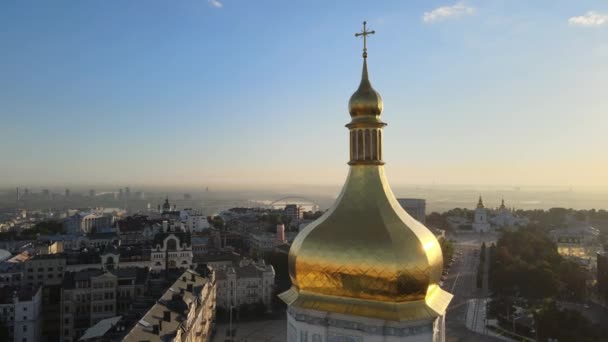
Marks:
<point>364,33</point>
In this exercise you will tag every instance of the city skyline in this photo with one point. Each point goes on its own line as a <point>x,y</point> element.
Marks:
<point>229,93</point>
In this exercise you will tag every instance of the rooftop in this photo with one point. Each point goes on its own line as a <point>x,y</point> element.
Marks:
<point>83,256</point>
<point>48,256</point>
<point>140,274</point>
<point>100,329</point>
<point>218,256</point>
<point>4,254</point>
<point>24,293</point>
<point>163,320</point>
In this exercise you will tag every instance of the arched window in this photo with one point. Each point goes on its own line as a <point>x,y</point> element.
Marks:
<point>380,144</point>
<point>360,145</point>
<point>171,245</point>
<point>353,146</point>
<point>368,145</point>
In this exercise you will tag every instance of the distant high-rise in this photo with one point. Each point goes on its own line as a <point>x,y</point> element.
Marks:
<point>416,207</point>
<point>67,193</point>
<point>294,212</point>
<point>91,193</point>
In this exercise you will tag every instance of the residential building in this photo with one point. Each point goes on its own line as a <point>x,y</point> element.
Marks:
<point>579,242</point>
<point>247,283</point>
<point>262,241</point>
<point>294,212</point>
<point>90,296</point>
<point>195,222</point>
<point>44,270</point>
<point>12,270</point>
<point>73,224</point>
<point>185,312</point>
<point>20,312</point>
<point>200,245</point>
<point>217,259</point>
<point>95,222</point>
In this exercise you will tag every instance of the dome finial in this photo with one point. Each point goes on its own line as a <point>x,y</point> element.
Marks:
<point>365,102</point>
<point>365,33</point>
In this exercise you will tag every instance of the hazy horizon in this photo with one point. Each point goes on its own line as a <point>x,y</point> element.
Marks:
<point>438,198</point>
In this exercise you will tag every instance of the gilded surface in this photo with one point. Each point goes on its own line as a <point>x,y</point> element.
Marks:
<point>365,101</point>
<point>367,256</point>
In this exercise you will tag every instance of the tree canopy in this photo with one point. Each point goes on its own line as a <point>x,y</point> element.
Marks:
<point>526,263</point>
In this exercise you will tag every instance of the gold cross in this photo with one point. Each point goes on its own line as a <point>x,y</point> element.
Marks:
<point>364,33</point>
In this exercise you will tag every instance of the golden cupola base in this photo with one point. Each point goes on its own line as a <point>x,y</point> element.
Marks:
<point>366,256</point>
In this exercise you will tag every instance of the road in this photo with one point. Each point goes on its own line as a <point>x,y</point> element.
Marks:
<point>461,282</point>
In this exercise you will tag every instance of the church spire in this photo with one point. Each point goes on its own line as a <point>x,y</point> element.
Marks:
<point>480,203</point>
<point>365,107</point>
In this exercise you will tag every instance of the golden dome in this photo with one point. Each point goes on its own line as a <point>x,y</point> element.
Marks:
<point>366,101</point>
<point>366,256</point>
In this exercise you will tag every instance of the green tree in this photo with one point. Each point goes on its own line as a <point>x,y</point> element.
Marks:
<point>437,220</point>
<point>218,223</point>
<point>447,249</point>
<point>566,325</point>
<point>50,227</point>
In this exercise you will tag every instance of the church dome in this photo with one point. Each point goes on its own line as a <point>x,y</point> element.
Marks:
<point>366,101</point>
<point>367,252</point>
<point>366,256</point>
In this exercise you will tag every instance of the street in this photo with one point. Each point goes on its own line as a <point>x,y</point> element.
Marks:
<point>461,282</point>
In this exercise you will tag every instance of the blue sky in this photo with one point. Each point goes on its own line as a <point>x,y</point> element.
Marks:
<point>234,91</point>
